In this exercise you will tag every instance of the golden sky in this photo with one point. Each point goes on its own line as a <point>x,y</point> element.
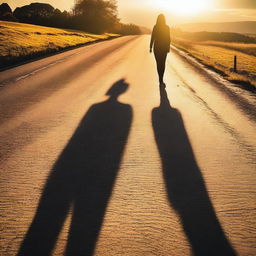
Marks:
<point>143,12</point>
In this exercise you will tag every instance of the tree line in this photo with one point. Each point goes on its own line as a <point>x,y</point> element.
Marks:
<point>95,16</point>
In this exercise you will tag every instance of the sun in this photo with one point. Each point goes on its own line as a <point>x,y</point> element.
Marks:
<point>183,7</point>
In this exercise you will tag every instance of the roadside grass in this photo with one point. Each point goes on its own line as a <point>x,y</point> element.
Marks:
<point>220,56</point>
<point>249,49</point>
<point>21,41</point>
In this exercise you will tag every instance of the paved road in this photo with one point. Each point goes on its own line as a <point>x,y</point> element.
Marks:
<point>97,160</point>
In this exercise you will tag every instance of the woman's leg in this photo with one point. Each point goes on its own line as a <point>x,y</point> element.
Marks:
<point>160,61</point>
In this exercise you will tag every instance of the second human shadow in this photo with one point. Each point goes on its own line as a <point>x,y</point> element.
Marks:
<point>82,180</point>
<point>185,185</point>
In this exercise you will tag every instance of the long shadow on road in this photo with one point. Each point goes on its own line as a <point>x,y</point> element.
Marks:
<point>185,185</point>
<point>82,180</point>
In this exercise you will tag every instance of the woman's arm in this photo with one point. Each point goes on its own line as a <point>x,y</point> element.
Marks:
<point>152,39</point>
<point>169,39</point>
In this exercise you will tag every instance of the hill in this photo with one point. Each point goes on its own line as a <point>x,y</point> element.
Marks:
<point>214,36</point>
<point>244,27</point>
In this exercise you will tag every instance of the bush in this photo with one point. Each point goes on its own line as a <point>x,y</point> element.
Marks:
<point>8,16</point>
<point>127,29</point>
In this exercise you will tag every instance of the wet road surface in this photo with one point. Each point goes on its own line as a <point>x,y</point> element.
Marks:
<point>96,159</point>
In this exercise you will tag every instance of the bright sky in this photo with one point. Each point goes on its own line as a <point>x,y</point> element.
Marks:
<point>144,12</point>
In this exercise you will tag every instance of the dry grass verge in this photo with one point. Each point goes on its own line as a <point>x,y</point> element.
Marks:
<point>20,42</point>
<point>220,56</point>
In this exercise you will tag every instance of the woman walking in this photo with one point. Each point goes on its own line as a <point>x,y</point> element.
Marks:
<point>160,38</point>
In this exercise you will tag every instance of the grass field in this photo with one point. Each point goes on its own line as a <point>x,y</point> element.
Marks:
<point>220,56</point>
<point>21,41</point>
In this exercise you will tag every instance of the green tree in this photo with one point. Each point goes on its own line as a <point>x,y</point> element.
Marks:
<point>35,13</point>
<point>6,12</point>
<point>42,14</point>
<point>95,16</point>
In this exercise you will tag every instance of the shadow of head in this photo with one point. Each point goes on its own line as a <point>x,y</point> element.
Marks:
<point>118,88</point>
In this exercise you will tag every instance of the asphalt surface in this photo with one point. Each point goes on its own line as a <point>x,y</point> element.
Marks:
<point>96,159</point>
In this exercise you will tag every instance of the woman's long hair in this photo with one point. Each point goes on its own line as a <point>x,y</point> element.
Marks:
<point>160,22</point>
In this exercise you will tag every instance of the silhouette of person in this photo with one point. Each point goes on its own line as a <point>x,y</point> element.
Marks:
<point>185,185</point>
<point>160,38</point>
<point>81,180</point>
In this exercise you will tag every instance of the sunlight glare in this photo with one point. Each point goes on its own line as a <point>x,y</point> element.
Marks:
<point>184,7</point>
